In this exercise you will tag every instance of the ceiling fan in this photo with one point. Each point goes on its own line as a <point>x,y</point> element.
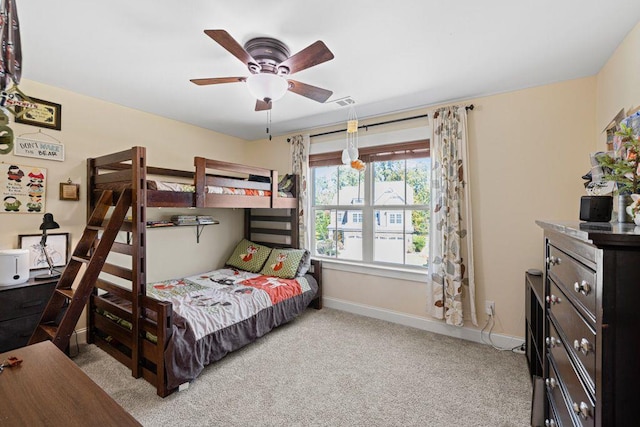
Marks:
<point>269,62</point>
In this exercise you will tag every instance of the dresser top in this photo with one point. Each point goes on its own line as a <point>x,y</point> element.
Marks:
<point>599,233</point>
<point>30,282</point>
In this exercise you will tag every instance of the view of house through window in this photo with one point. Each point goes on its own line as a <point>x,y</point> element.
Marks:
<point>380,215</point>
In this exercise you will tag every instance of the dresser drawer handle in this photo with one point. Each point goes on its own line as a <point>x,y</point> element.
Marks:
<point>552,342</point>
<point>551,383</point>
<point>583,346</point>
<point>583,287</point>
<point>549,423</point>
<point>582,410</point>
<point>31,304</point>
<point>552,260</point>
<point>552,299</point>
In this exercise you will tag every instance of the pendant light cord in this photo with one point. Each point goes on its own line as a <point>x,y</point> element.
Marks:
<point>269,124</point>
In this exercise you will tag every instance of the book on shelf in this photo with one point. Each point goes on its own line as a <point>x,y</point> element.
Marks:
<point>160,223</point>
<point>206,219</point>
<point>193,220</point>
<point>184,220</point>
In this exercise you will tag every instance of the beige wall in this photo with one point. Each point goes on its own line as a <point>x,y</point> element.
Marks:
<point>528,150</point>
<point>618,83</point>
<point>91,127</point>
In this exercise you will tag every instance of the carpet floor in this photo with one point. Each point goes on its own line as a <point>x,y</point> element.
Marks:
<point>332,368</point>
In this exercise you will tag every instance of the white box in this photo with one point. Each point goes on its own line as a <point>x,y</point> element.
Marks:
<point>14,266</point>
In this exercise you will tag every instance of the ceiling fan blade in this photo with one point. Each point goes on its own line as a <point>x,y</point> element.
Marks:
<point>262,106</point>
<point>218,80</point>
<point>315,54</point>
<point>312,92</point>
<point>225,40</point>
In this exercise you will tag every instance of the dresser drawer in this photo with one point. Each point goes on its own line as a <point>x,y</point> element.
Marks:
<point>559,412</point>
<point>15,333</point>
<point>576,334</point>
<point>578,280</point>
<point>24,301</point>
<point>577,398</point>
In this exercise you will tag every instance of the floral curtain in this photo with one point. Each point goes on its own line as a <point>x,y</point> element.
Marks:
<point>450,237</point>
<point>300,167</point>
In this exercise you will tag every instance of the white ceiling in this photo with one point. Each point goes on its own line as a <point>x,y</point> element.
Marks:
<point>389,56</point>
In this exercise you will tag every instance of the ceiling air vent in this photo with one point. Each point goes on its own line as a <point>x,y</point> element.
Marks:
<point>344,102</point>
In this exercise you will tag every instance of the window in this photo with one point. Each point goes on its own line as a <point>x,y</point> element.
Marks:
<point>380,215</point>
<point>395,218</point>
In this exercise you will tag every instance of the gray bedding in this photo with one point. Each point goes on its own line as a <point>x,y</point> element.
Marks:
<point>221,311</point>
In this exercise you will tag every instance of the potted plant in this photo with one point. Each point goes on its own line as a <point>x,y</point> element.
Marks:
<point>624,169</point>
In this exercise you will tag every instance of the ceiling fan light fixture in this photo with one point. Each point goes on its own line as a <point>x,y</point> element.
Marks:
<point>267,87</point>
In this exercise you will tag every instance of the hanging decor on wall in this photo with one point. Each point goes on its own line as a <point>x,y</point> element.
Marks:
<point>36,146</point>
<point>46,114</point>
<point>6,135</point>
<point>10,46</point>
<point>22,188</point>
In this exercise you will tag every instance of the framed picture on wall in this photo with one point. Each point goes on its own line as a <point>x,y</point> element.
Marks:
<point>57,246</point>
<point>45,115</point>
<point>69,191</point>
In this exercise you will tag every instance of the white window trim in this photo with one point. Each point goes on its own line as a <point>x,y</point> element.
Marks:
<point>368,229</point>
<point>393,272</point>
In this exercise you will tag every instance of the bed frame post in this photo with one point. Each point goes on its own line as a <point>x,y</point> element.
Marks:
<point>274,187</point>
<point>200,180</point>
<point>91,172</point>
<point>317,274</point>
<point>139,247</point>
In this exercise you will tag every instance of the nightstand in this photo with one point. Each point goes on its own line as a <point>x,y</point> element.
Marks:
<point>20,309</point>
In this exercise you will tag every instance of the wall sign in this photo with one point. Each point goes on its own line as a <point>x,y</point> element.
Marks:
<point>46,114</point>
<point>40,149</point>
<point>22,188</point>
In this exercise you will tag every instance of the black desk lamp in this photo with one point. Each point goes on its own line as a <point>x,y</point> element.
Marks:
<point>47,224</point>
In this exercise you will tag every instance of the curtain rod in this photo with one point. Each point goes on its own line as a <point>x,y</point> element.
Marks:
<point>468,107</point>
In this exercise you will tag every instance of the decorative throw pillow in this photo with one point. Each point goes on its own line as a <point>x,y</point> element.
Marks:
<point>305,264</point>
<point>249,256</point>
<point>286,183</point>
<point>259,178</point>
<point>283,263</point>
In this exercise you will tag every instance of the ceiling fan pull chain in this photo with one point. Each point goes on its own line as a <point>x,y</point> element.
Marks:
<point>269,123</point>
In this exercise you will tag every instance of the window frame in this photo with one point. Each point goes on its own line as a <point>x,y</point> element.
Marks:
<point>369,155</point>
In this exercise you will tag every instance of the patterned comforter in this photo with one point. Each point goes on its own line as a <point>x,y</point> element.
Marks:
<point>211,189</point>
<point>220,311</point>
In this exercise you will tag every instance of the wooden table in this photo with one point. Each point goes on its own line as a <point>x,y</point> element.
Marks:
<point>48,389</point>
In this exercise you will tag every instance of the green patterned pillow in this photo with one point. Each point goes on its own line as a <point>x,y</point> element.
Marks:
<point>249,256</point>
<point>283,263</point>
<point>286,183</point>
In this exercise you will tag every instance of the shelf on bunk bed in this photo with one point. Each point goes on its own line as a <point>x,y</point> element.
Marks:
<point>199,225</point>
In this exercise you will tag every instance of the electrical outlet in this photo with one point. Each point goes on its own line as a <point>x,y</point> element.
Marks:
<point>489,307</point>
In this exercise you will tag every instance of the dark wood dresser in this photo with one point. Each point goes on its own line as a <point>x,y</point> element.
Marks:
<point>592,323</point>
<point>20,309</point>
<point>534,323</point>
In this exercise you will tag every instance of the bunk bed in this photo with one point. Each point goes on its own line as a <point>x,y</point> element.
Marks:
<point>145,333</point>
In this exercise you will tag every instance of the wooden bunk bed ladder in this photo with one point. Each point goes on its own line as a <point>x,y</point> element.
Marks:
<point>61,314</point>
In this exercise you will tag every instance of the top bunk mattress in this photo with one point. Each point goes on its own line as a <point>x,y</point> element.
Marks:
<point>212,189</point>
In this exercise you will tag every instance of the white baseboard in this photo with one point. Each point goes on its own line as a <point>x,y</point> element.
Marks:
<point>465,333</point>
<point>81,335</point>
